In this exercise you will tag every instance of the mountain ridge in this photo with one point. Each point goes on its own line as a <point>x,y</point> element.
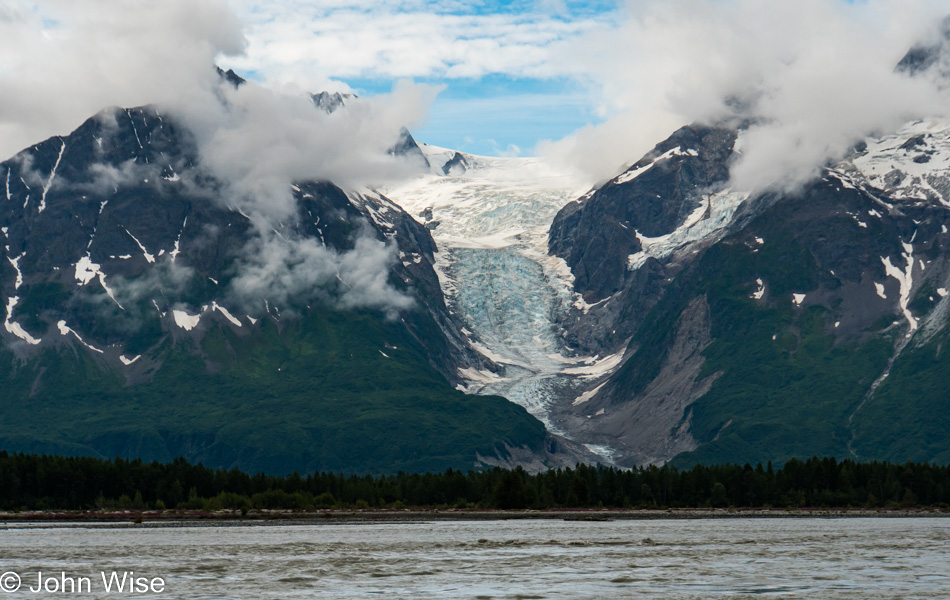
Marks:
<point>132,278</point>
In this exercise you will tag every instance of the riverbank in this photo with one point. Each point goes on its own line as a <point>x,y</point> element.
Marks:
<point>154,517</point>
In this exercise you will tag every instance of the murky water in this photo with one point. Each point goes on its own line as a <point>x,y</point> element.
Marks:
<point>782,558</point>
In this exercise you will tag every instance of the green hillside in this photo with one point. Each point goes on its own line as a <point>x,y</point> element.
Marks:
<point>314,393</point>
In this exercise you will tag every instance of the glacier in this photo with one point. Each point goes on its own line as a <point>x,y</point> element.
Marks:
<point>491,223</point>
<point>490,220</point>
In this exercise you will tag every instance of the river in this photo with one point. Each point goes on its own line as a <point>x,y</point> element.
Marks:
<point>687,558</point>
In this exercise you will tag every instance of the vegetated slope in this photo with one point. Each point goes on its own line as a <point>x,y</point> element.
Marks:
<point>803,323</point>
<point>143,319</point>
<point>313,394</point>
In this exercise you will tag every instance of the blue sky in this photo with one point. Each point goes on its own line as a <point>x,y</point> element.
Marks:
<point>497,114</point>
<point>605,80</point>
<point>496,62</point>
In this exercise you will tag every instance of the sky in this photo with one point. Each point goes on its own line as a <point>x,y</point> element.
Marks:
<point>494,61</point>
<point>589,85</point>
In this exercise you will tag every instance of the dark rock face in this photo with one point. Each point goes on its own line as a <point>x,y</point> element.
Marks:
<point>231,77</point>
<point>457,164</point>
<point>927,57</point>
<point>329,102</point>
<point>652,198</point>
<point>778,337</point>
<point>407,147</point>
<point>125,192</point>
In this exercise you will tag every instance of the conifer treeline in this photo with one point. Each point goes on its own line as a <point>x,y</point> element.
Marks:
<point>29,482</point>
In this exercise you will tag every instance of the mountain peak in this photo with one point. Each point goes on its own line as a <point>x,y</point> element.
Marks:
<point>230,76</point>
<point>329,102</point>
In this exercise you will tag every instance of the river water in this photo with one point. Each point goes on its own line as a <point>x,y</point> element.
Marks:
<point>722,558</point>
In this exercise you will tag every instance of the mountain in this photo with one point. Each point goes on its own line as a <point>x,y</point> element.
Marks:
<point>143,319</point>
<point>483,311</point>
<point>765,325</point>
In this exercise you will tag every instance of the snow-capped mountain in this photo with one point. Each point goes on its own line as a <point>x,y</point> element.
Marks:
<point>761,326</point>
<point>664,315</point>
<point>147,314</point>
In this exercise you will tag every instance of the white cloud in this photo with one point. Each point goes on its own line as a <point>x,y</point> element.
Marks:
<point>817,74</point>
<point>262,140</point>
<point>64,61</point>
<point>283,271</point>
<point>311,42</point>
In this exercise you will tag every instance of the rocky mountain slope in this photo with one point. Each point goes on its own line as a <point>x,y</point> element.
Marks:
<point>664,315</point>
<point>762,326</point>
<point>146,315</point>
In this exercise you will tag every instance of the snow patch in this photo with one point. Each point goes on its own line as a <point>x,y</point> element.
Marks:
<point>758,294</point>
<point>798,299</point>
<point>906,280</point>
<point>888,163</point>
<point>184,320</point>
<point>128,361</point>
<point>588,395</point>
<point>86,271</point>
<point>174,253</point>
<point>65,330</point>
<point>16,265</point>
<point>880,290</point>
<point>596,366</point>
<point>148,257</point>
<point>52,174</point>
<point>15,328</point>
<point>632,174</point>
<point>134,130</point>
<point>224,311</point>
<point>482,376</point>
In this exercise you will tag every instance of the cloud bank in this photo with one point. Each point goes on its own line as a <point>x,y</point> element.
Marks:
<point>816,75</point>
<point>67,61</point>
<point>304,42</point>
<point>64,61</point>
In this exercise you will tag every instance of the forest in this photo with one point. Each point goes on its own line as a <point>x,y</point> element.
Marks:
<point>44,482</point>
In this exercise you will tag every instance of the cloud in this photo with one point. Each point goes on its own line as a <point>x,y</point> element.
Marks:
<point>285,270</point>
<point>310,42</point>
<point>65,61</point>
<point>261,140</point>
<point>816,75</point>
